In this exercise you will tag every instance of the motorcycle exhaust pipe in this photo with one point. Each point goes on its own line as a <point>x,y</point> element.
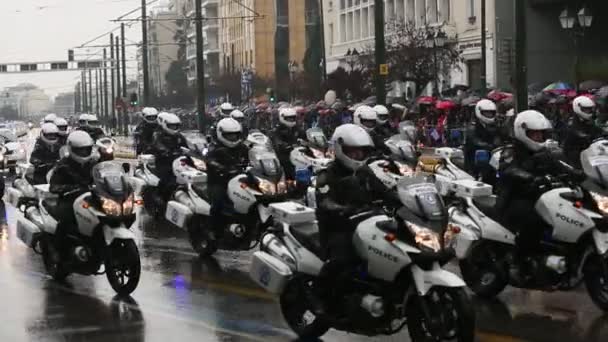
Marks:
<point>272,245</point>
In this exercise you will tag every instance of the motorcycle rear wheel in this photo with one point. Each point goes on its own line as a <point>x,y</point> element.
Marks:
<point>123,266</point>
<point>52,260</point>
<point>596,280</point>
<point>298,313</point>
<point>450,307</point>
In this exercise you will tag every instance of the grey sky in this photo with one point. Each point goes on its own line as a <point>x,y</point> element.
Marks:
<point>42,30</point>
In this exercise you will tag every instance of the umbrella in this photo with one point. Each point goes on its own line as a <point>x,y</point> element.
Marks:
<point>558,86</point>
<point>445,105</point>
<point>590,85</point>
<point>497,95</point>
<point>537,87</point>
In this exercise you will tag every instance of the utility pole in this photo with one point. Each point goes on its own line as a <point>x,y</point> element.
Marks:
<point>118,86</point>
<point>484,82</point>
<point>113,87</point>
<point>144,46</point>
<point>200,67</point>
<point>380,52</point>
<point>521,72</point>
<point>323,51</point>
<point>97,94</point>
<point>90,90</point>
<point>83,85</point>
<point>125,126</point>
<point>105,88</point>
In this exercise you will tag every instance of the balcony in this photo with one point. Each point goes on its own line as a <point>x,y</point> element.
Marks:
<point>209,3</point>
<point>210,24</point>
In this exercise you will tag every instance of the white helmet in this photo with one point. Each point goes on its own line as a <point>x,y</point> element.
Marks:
<point>237,115</point>
<point>485,112</point>
<point>49,133</point>
<point>62,125</point>
<point>169,123</point>
<point>83,120</point>
<point>381,113</point>
<point>583,107</point>
<point>226,108</point>
<point>50,118</point>
<point>353,146</point>
<point>80,146</point>
<point>532,129</point>
<point>92,121</point>
<point>149,114</point>
<point>366,117</point>
<point>288,117</point>
<point>229,132</point>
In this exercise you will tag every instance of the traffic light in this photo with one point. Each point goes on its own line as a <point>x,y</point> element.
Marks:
<point>70,55</point>
<point>271,95</point>
<point>133,100</point>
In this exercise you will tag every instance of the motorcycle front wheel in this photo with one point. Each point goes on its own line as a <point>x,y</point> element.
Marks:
<point>481,271</point>
<point>596,279</point>
<point>450,316</point>
<point>298,313</point>
<point>123,266</point>
<point>52,259</point>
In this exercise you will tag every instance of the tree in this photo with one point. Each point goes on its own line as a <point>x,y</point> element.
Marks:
<point>410,56</point>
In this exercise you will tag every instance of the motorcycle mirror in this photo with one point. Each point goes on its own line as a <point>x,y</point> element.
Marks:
<point>126,167</point>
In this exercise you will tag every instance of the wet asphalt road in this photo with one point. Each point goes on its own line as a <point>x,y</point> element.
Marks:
<point>183,298</point>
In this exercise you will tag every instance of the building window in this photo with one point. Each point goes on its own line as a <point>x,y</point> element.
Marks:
<point>364,22</point>
<point>431,15</point>
<point>410,11</point>
<point>444,11</point>
<point>471,11</point>
<point>342,4</point>
<point>357,25</point>
<point>342,28</point>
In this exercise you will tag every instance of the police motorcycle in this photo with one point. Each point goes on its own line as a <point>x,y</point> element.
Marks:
<point>444,162</point>
<point>244,218</point>
<point>401,162</point>
<point>104,216</point>
<point>257,138</point>
<point>398,279</point>
<point>106,147</point>
<point>574,250</point>
<point>313,154</point>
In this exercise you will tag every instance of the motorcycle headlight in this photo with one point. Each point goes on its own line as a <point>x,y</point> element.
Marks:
<point>266,187</point>
<point>1,157</point>
<point>601,201</point>
<point>450,234</point>
<point>111,207</point>
<point>108,150</point>
<point>199,164</point>
<point>405,169</point>
<point>317,153</point>
<point>425,237</point>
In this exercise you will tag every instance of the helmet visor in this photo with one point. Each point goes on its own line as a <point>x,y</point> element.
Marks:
<point>82,122</point>
<point>226,112</point>
<point>588,110</point>
<point>151,118</point>
<point>490,114</point>
<point>94,123</point>
<point>382,117</point>
<point>539,136</point>
<point>82,151</point>
<point>232,136</point>
<point>357,153</point>
<point>174,126</point>
<point>51,136</point>
<point>368,123</point>
<point>63,128</point>
<point>290,118</point>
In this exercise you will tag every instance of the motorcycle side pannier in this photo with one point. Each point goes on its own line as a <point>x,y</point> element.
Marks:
<point>269,272</point>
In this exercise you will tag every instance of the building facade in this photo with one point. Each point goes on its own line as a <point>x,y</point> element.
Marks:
<point>162,49</point>
<point>210,12</point>
<point>64,104</point>
<point>28,99</point>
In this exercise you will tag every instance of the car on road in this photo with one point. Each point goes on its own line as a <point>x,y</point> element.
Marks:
<point>14,151</point>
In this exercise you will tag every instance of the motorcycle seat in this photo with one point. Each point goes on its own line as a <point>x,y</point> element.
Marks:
<point>487,205</point>
<point>309,237</point>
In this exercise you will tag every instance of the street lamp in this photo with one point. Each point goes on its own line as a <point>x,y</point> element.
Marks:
<point>293,68</point>
<point>568,22</point>
<point>436,40</point>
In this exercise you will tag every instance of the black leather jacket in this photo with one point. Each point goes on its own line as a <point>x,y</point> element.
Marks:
<point>71,178</point>
<point>578,136</point>
<point>144,136</point>
<point>43,158</point>
<point>166,148</point>
<point>479,137</point>
<point>225,162</point>
<point>95,133</point>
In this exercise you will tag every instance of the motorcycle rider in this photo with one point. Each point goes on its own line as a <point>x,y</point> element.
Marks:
<point>71,178</point>
<point>383,128</point>
<point>482,135</point>
<point>365,117</point>
<point>226,158</point>
<point>90,124</point>
<point>223,111</point>
<point>285,137</point>
<point>45,153</point>
<point>240,118</point>
<point>524,169</point>
<point>144,132</point>
<point>166,147</point>
<point>581,130</point>
<point>62,125</point>
<point>344,189</point>
<point>50,118</point>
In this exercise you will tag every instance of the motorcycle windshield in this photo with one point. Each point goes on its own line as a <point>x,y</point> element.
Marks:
<point>418,194</point>
<point>265,163</point>
<point>317,138</point>
<point>109,181</point>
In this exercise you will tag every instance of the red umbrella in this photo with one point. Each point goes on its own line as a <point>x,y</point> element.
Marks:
<point>427,100</point>
<point>445,105</point>
<point>497,95</point>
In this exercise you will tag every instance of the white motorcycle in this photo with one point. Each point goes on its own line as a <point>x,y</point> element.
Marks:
<point>440,162</point>
<point>106,147</point>
<point>103,216</point>
<point>257,138</point>
<point>244,219</point>
<point>313,154</point>
<point>574,249</point>
<point>402,162</point>
<point>398,280</point>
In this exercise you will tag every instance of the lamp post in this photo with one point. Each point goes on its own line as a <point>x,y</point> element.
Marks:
<point>293,69</point>
<point>436,41</point>
<point>577,29</point>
